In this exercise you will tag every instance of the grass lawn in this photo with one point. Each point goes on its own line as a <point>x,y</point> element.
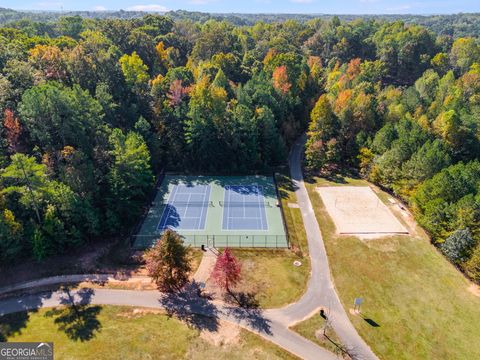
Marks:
<point>196,259</point>
<point>271,273</point>
<point>417,305</point>
<point>293,218</point>
<point>134,333</point>
<point>309,328</point>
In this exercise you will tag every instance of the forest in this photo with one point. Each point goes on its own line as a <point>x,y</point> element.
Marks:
<point>93,109</point>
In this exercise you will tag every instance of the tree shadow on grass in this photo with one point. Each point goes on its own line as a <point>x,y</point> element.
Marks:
<point>335,174</point>
<point>12,324</point>
<point>78,320</point>
<point>251,317</point>
<point>247,309</point>
<point>187,306</point>
<point>15,312</point>
<point>285,186</point>
<point>244,299</point>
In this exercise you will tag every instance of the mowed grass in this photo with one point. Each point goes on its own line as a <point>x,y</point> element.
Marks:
<point>315,325</point>
<point>132,333</point>
<point>293,217</point>
<point>417,305</point>
<point>270,274</point>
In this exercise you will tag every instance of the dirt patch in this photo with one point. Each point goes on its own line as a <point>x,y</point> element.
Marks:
<point>206,266</point>
<point>226,334</point>
<point>131,283</point>
<point>110,256</point>
<point>139,312</point>
<point>357,210</point>
<point>474,289</point>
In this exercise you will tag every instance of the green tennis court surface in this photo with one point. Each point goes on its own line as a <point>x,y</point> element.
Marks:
<point>221,211</point>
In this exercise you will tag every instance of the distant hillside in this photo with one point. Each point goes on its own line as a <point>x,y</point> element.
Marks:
<point>456,25</point>
<point>9,15</point>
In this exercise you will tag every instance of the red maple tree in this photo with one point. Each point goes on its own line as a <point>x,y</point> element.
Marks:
<point>177,92</point>
<point>227,270</point>
<point>13,129</point>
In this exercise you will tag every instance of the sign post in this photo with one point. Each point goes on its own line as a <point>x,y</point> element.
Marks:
<point>356,304</point>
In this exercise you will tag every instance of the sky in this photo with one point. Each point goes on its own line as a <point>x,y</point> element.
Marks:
<point>258,6</point>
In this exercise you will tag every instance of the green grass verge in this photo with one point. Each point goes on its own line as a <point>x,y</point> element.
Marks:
<point>127,333</point>
<point>196,259</point>
<point>271,276</point>
<point>417,305</point>
<point>314,325</point>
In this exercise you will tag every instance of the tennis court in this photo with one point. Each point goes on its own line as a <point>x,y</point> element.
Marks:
<point>186,208</point>
<point>244,208</point>
<point>221,211</point>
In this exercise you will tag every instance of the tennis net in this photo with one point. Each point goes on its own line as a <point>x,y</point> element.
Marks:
<point>244,204</point>
<point>189,203</point>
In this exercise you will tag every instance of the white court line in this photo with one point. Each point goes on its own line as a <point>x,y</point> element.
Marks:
<point>191,193</point>
<point>228,210</point>
<point>203,207</point>
<point>243,198</point>
<point>229,220</point>
<point>264,210</point>
<point>187,205</point>
<point>243,217</point>
<point>259,207</point>
<point>164,220</point>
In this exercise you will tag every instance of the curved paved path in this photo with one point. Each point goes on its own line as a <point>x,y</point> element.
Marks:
<point>321,290</point>
<point>182,306</point>
<point>270,324</point>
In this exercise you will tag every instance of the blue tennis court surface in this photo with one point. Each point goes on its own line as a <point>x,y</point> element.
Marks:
<point>186,208</point>
<point>244,208</point>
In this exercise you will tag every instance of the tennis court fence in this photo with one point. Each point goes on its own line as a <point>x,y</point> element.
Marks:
<point>219,241</point>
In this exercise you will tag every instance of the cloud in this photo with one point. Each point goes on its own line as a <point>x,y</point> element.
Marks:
<point>99,8</point>
<point>200,2</point>
<point>399,8</point>
<point>148,8</point>
<point>49,5</point>
<point>414,6</point>
<point>302,1</point>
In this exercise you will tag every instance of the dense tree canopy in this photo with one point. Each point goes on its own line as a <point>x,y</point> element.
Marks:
<point>420,139</point>
<point>94,108</point>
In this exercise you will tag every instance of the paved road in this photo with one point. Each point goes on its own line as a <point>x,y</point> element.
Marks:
<point>182,306</point>
<point>321,291</point>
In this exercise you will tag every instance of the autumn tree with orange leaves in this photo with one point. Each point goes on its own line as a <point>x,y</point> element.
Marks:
<point>13,129</point>
<point>280,79</point>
